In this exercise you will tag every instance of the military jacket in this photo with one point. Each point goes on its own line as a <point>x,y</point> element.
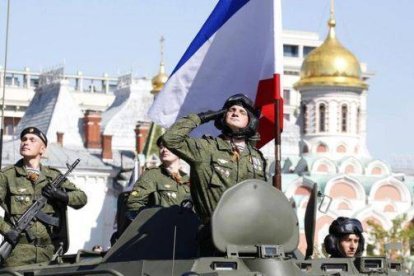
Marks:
<point>157,187</point>
<point>17,193</point>
<point>213,166</point>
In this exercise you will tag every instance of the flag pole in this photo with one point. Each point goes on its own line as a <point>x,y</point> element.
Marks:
<point>278,108</point>
<point>4,82</point>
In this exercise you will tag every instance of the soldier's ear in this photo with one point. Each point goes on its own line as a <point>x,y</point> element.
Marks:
<point>42,149</point>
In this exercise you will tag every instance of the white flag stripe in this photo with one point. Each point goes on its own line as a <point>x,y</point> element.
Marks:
<point>234,60</point>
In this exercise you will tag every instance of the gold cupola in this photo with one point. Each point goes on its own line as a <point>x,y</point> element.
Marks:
<point>161,78</point>
<point>331,64</point>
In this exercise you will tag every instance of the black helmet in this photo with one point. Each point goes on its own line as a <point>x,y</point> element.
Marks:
<point>253,113</point>
<point>340,227</point>
<point>160,142</point>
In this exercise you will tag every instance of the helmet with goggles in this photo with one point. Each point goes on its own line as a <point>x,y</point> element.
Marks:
<point>339,228</point>
<point>252,112</point>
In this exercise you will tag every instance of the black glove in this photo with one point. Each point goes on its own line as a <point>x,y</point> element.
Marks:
<point>54,193</point>
<point>12,237</point>
<point>210,115</point>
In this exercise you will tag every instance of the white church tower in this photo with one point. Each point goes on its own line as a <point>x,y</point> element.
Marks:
<point>333,101</point>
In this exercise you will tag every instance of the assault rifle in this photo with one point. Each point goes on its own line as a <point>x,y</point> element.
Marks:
<point>32,212</point>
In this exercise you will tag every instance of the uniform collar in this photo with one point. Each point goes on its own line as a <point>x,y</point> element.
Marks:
<point>19,167</point>
<point>224,144</point>
<point>167,173</point>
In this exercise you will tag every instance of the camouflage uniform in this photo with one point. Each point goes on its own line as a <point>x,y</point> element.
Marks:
<point>214,167</point>
<point>161,185</point>
<point>17,193</point>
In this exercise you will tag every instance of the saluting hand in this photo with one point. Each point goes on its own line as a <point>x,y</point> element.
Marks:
<point>210,115</point>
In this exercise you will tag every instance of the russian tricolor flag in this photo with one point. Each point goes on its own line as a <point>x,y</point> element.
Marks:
<point>238,50</point>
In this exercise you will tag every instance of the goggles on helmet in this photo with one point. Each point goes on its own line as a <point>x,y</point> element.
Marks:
<point>349,226</point>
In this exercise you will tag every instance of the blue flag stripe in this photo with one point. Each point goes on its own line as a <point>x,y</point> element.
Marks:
<point>221,13</point>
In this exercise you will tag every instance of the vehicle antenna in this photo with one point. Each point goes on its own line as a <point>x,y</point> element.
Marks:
<point>173,256</point>
<point>4,82</point>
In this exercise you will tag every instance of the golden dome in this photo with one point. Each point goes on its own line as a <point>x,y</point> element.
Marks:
<point>159,80</point>
<point>331,64</point>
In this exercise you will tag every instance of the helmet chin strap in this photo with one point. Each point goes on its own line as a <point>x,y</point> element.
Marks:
<point>241,134</point>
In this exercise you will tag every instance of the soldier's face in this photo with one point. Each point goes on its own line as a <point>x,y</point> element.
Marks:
<point>166,155</point>
<point>237,118</point>
<point>31,146</point>
<point>348,245</point>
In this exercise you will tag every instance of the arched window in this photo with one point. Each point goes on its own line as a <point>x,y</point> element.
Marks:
<point>389,208</point>
<point>358,120</point>
<point>322,168</point>
<point>321,148</point>
<point>341,149</point>
<point>322,119</point>
<point>343,206</point>
<point>304,119</point>
<point>349,169</point>
<point>305,149</point>
<point>376,171</point>
<point>344,118</point>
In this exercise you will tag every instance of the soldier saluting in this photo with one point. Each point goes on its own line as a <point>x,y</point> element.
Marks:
<point>165,186</point>
<point>217,163</point>
<point>20,185</point>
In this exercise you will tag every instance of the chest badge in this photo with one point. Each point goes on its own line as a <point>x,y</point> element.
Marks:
<point>21,190</point>
<point>222,161</point>
<point>257,164</point>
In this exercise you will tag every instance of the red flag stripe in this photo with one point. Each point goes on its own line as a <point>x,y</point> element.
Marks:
<point>267,92</point>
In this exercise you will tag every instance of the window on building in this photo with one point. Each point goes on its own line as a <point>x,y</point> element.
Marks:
<point>304,119</point>
<point>344,118</point>
<point>307,50</point>
<point>321,148</point>
<point>291,50</point>
<point>34,82</point>
<point>286,96</point>
<point>290,72</point>
<point>322,168</point>
<point>322,119</point>
<point>349,169</point>
<point>376,171</point>
<point>341,149</point>
<point>358,120</point>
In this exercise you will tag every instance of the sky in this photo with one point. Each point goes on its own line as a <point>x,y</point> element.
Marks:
<point>122,36</point>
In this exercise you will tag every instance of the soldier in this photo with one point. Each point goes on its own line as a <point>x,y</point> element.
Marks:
<point>217,163</point>
<point>164,186</point>
<point>345,238</point>
<point>23,183</point>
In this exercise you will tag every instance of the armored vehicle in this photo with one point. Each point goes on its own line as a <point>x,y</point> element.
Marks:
<point>254,228</point>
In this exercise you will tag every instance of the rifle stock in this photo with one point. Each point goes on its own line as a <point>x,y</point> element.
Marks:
<point>24,221</point>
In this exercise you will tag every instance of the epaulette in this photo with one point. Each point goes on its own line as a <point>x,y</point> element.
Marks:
<point>5,169</point>
<point>53,170</point>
